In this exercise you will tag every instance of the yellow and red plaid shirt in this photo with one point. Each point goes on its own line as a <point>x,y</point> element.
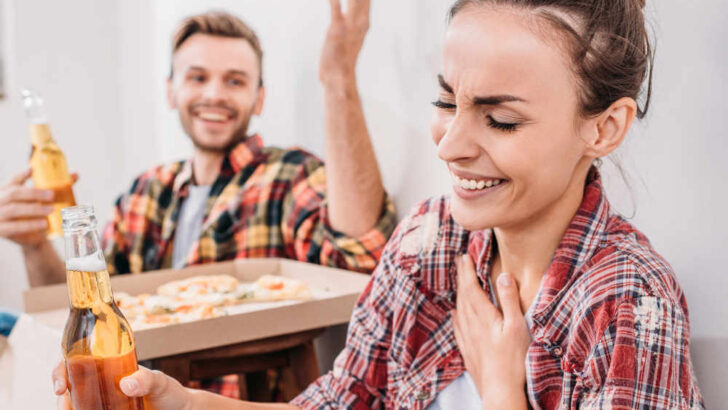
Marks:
<point>266,202</point>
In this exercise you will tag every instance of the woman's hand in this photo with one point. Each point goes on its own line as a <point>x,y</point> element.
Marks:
<point>492,343</point>
<point>160,391</point>
<point>344,41</point>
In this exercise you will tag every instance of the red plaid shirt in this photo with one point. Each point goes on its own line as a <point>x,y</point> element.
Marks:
<point>609,325</point>
<point>266,202</point>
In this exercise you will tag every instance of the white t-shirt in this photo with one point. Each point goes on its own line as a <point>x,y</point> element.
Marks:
<point>461,394</point>
<point>189,224</point>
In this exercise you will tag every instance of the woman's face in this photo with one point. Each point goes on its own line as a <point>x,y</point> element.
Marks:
<point>507,121</point>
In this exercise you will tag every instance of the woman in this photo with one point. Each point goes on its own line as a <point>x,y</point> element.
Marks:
<point>533,94</point>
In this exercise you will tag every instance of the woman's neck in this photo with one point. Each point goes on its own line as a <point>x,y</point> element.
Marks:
<point>526,250</point>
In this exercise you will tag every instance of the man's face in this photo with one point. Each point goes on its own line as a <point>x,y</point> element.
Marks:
<point>215,86</point>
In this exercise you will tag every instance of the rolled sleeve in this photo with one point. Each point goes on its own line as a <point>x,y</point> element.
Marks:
<point>309,234</point>
<point>360,376</point>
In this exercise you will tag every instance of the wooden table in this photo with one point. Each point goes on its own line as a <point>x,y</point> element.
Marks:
<point>293,354</point>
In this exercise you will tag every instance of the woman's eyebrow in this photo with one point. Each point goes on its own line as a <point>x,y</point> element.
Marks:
<point>496,99</point>
<point>487,100</point>
<point>445,86</point>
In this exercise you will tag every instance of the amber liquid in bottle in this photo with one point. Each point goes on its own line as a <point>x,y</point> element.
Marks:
<point>50,170</point>
<point>98,344</point>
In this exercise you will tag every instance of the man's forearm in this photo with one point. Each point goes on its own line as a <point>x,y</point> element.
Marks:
<point>354,184</point>
<point>43,264</point>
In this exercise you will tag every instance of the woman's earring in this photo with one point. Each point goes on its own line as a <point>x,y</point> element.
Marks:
<point>598,162</point>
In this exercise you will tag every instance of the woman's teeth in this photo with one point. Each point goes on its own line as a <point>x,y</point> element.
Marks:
<point>474,185</point>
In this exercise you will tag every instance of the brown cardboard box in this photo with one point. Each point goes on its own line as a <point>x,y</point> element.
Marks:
<point>335,293</point>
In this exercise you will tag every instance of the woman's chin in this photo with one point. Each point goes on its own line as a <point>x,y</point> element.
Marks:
<point>471,220</point>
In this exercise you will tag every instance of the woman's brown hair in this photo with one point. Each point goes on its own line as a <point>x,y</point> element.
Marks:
<point>610,47</point>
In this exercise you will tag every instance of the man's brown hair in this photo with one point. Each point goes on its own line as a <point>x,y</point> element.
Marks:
<point>217,23</point>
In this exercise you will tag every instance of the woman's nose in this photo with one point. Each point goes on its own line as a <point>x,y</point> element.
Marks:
<point>459,141</point>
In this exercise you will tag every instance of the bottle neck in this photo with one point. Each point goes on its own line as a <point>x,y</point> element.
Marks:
<point>86,274</point>
<point>40,135</point>
<point>86,290</point>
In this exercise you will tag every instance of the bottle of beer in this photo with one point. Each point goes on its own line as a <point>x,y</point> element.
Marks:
<point>48,162</point>
<point>98,345</point>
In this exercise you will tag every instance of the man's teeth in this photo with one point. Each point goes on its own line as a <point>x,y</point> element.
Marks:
<point>212,116</point>
<point>472,185</point>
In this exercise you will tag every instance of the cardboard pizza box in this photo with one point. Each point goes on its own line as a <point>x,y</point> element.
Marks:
<point>335,292</point>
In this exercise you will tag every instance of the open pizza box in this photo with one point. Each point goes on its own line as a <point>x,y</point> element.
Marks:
<point>33,349</point>
<point>335,292</point>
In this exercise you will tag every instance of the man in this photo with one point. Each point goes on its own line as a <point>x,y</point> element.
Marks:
<point>235,198</point>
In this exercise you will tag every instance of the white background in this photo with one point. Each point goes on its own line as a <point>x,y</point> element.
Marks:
<point>102,67</point>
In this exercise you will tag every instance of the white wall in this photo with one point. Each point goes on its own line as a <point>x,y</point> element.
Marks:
<point>106,99</point>
<point>90,63</point>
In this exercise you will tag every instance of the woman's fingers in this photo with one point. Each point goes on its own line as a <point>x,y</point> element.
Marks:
<point>510,299</point>
<point>145,382</point>
<point>64,402</point>
<point>60,377</point>
<point>472,300</point>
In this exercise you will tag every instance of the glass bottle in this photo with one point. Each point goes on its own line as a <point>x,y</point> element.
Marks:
<point>50,170</point>
<point>98,345</point>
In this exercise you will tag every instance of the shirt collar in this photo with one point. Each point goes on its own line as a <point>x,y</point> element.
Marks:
<point>240,156</point>
<point>576,247</point>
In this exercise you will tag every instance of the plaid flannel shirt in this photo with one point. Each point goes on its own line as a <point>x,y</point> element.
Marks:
<point>266,202</point>
<point>609,325</point>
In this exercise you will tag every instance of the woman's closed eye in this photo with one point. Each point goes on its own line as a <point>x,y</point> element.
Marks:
<point>492,122</point>
<point>502,126</point>
<point>444,105</point>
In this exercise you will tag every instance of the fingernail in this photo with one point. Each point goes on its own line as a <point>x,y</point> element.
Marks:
<point>48,209</point>
<point>505,280</point>
<point>129,386</point>
<point>58,386</point>
<point>47,194</point>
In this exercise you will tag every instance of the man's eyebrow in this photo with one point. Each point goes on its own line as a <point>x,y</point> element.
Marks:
<point>239,72</point>
<point>234,71</point>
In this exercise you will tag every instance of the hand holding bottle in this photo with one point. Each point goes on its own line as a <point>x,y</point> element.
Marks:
<point>24,211</point>
<point>159,390</point>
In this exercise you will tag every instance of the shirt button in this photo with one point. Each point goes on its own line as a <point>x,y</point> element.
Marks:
<point>422,395</point>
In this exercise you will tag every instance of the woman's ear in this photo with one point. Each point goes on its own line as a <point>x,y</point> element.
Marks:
<point>611,127</point>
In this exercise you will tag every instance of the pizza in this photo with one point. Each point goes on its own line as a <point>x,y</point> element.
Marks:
<point>204,297</point>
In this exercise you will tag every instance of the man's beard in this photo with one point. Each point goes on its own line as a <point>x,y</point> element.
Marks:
<point>240,134</point>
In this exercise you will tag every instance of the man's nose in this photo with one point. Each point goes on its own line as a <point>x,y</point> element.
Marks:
<point>214,90</point>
